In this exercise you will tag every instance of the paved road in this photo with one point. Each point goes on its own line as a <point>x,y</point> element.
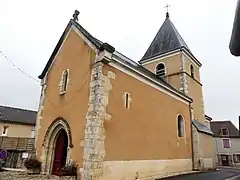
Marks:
<point>217,175</point>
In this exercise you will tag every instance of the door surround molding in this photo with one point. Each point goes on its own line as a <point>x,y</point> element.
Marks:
<point>48,146</point>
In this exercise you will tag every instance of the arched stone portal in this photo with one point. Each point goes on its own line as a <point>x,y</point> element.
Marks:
<point>57,146</point>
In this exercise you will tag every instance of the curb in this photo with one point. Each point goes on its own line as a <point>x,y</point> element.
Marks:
<point>179,175</point>
<point>13,169</point>
<point>234,177</point>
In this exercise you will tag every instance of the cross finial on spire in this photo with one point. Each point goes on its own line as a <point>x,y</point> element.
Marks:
<point>75,15</point>
<point>167,6</point>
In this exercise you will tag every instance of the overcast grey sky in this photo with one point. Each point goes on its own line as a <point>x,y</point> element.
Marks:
<point>30,29</point>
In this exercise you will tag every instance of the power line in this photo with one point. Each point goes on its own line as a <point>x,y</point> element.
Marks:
<point>71,100</point>
<point>26,74</point>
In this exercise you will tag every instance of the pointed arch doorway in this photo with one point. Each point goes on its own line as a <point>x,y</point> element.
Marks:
<point>57,145</point>
<point>60,152</point>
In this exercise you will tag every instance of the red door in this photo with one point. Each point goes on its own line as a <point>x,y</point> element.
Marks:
<point>60,152</point>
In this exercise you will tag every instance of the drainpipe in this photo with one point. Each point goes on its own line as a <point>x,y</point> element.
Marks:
<point>239,126</point>
<point>190,113</point>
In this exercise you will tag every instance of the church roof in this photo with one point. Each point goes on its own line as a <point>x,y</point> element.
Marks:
<point>166,39</point>
<point>201,127</point>
<point>123,59</point>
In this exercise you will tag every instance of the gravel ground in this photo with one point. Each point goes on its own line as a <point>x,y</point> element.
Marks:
<point>11,175</point>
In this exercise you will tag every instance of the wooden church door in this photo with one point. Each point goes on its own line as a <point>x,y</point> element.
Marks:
<point>60,152</point>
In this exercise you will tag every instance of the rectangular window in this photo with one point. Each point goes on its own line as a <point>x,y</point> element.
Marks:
<point>226,143</point>
<point>236,158</point>
<point>4,130</point>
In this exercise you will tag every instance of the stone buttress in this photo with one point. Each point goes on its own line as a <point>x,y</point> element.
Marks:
<point>94,150</point>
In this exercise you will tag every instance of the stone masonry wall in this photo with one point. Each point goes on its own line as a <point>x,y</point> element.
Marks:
<point>183,79</point>
<point>196,149</point>
<point>40,109</point>
<point>94,150</point>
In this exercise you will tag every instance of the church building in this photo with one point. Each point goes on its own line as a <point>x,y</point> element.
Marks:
<point>118,118</point>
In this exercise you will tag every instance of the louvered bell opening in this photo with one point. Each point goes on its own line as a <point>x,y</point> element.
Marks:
<point>160,72</point>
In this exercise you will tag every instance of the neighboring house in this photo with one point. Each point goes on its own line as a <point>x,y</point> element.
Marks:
<point>15,122</point>
<point>119,119</point>
<point>227,143</point>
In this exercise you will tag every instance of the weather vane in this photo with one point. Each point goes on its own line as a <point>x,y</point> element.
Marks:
<point>167,7</point>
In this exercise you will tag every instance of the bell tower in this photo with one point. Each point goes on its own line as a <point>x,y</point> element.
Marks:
<point>169,57</point>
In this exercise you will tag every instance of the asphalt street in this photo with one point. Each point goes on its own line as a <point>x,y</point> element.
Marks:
<point>222,174</point>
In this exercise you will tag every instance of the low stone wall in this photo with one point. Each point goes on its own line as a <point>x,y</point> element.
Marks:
<point>142,169</point>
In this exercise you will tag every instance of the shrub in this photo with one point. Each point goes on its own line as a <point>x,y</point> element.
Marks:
<point>32,164</point>
<point>69,170</point>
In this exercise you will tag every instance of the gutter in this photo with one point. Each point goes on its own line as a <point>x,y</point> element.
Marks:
<point>19,123</point>
<point>190,113</point>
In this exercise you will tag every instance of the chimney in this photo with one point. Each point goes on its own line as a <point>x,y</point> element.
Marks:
<point>239,126</point>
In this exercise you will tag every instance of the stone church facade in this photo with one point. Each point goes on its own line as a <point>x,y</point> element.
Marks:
<point>118,119</point>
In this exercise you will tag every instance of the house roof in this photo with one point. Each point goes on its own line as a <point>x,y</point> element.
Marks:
<point>201,127</point>
<point>17,115</point>
<point>166,39</point>
<point>217,125</point>
<point>99,45</point>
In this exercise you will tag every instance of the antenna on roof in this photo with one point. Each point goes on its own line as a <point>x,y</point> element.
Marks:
<point>75,15</point>
<point>167,6</point>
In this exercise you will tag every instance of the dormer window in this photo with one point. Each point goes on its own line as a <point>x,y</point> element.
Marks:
<point>160,70</point>
<point>224,131</point>
<point>192,70</point>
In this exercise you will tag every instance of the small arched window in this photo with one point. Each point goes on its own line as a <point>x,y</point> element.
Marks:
<point>160,70</point>
<point>192,70</point>
<point>64,81</point>
<point>180,126</point>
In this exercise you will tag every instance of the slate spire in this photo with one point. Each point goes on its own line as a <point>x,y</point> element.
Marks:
<point>166,39</point>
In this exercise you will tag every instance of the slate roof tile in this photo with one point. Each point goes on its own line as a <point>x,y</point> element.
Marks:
<point>17,115</point>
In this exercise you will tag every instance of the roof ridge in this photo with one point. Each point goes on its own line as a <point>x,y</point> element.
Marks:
<point>179,37</point>
<point>18,108</point>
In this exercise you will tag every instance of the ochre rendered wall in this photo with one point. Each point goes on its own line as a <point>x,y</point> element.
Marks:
<point>148,129</point>
<point>76,56</point>
<point>172,65</point>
